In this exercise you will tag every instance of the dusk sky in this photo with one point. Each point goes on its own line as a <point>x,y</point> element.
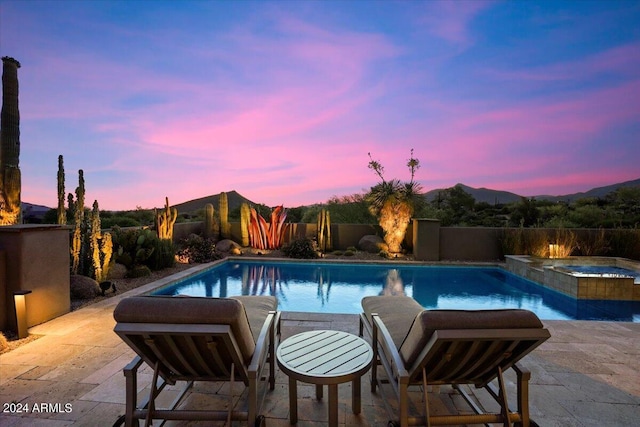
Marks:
<point>281,101</point>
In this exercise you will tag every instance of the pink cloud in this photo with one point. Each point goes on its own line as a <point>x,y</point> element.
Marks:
<point>449,20</point>
<point>285,109</point>
<point>619,61</point>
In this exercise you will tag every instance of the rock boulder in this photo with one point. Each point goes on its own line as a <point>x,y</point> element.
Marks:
<point>83,287</point>
<point>372,244</point>
<point>228,247</point>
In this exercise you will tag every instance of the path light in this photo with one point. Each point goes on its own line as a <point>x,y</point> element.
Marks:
<point>554,250</point>
<point>21,312</point>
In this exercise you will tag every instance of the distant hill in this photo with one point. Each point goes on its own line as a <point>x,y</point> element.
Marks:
<point>598,192</point>
<point>480,194</point>
<point>504,197</point>
<point>235,200</point>
<point>33,213</point>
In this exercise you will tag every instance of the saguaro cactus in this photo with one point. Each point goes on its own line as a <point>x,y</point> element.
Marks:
<point>165,221</point>
<point>101,246</point>
<point>225,227</point>
<point>10,179</point>
<point>62,213</point>
<point>209,220</point>
<point>79,231</point>
<point>324,231</point>
<point>245,217</point>
<point>71,205</point>
<point>94,241</point>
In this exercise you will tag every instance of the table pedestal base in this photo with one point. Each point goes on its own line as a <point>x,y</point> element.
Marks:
<point>333,400</point>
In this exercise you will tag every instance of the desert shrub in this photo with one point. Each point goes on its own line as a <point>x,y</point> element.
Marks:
<point>566,240</point>
<point>139,271</point>
<point>349,253</point>
<point>120,221</point>
<point>198,249</point>
<point>625,243</point>
<point>537,242</point>
<point>300,248</point>
<point>117,271</point>
<point>352,249</point>
<point>512,241</point>
<point>337,253</point>
<point>163,255</point>
<point>594,243</point>
<point>141,246</point>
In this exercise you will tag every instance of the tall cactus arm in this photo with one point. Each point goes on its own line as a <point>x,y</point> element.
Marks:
<point>165,221</point>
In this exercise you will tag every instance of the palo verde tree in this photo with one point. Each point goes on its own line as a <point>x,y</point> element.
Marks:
<point>393,202</point>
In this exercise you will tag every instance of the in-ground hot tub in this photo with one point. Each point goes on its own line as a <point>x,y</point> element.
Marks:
<point>604,271</point>
<point>602,278</point>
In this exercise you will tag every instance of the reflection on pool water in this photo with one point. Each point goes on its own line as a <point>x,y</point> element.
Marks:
<point>323,287</point>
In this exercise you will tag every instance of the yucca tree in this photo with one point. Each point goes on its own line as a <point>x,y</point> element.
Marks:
<point>393,203</point>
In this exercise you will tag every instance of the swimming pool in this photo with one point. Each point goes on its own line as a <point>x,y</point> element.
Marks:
<point>325,287</point>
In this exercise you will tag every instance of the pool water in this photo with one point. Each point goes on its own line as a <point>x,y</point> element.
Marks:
<point>323,287</point>
<point>599,271</point>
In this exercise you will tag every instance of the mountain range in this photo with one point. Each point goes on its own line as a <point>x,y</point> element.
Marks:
<point>504,197</point>
<point>479,194</point>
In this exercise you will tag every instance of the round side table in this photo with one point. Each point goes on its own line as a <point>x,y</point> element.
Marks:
<point>324,358</point>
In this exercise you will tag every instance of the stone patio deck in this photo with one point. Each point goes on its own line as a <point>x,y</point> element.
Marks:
<point>585,375</point>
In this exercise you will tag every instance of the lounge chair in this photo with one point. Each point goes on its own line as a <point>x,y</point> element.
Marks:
<point>199,339</point>
<point>437,347</point>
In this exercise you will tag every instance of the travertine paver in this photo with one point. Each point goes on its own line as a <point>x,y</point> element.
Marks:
<point>585,375</point>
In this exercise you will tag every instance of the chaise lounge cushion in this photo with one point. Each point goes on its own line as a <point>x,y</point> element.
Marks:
<point>198,310</point>
<point>257,309</point>
<point>397,313</point>
<point>429,321</point>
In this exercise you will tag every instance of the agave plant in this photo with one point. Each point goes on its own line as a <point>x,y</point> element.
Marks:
<point>393,203</point>
<point>263,235</point>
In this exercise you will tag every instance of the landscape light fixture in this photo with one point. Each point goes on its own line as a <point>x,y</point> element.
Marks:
<point>19,299</point>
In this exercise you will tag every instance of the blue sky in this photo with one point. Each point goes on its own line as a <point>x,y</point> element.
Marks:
<point>282,101</point>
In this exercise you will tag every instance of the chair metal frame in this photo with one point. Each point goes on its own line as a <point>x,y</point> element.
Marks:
<point>198,347</point>
<point>456,357</point>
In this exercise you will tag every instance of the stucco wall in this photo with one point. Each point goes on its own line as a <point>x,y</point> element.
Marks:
<point>342,235</point>
<point>3,290</point>
<point>182,230</point>
<point>470,243</point>
<point>37,259</point>
<point>454,243</point>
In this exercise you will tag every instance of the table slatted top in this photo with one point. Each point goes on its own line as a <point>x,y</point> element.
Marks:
<point>334,356</point>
